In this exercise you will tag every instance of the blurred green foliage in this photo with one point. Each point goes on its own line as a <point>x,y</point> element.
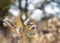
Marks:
<point>4,7</point>
<point>5,4</point>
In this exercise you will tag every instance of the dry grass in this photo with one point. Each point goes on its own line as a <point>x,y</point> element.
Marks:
<point>45,32</point>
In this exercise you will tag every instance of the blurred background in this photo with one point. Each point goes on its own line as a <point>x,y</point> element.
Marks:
<point>29,21</point>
